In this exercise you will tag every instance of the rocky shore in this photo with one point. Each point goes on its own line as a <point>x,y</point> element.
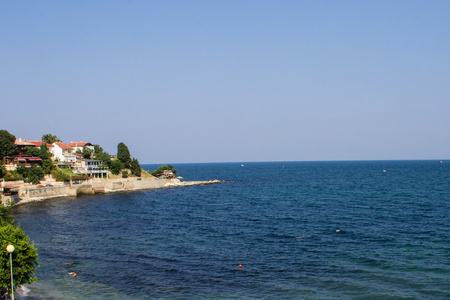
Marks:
<point>26,194</point>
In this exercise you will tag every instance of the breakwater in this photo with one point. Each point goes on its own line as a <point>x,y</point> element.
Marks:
<point>26,194</point>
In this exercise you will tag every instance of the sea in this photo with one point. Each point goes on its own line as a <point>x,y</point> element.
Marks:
<point>270,230</point>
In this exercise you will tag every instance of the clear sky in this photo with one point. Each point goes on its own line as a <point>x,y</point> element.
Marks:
<point>238,80</point>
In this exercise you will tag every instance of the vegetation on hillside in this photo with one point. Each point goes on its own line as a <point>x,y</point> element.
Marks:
<point>123,161</point>
<point>66,175</point>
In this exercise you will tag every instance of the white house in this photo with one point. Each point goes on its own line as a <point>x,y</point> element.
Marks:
<point>91,167</point>
<point>63,153</point>
<point>80,146</point>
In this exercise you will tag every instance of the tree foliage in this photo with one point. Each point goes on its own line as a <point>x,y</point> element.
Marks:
<point>50,138</point>
<point>161,170</point>
<point>5,215</point>
<point>86,153</point>
<point>44,154</point>
<point>47,162</point>
<point>123,154</point>
<point>97,149</point>
<point>102,155</point>
<point>33,151</point>
<point>116,166</point>
<point>24,256</point>
<point>66,174</point>
<point>7,146</point>
<point>135,167</point>
<point>33,174</point>
<point>2,171</point>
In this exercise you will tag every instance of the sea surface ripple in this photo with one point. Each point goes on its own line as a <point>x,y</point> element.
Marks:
<point>299,230</point>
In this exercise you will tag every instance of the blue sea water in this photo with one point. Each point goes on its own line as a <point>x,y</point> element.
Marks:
<point>300,230</point>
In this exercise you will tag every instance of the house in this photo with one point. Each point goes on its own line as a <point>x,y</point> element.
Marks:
<point>80,146</point>
<point>11,162</point>
<point>90,167</point>
<point>20,157</point>
<point>38,144</point>
<point>21,146</point>
<point>63,153</point>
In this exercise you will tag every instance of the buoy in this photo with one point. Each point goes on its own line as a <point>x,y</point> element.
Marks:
<point>240,266</point>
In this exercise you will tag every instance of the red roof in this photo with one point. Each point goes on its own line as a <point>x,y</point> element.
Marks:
<point>39,143</point>
<point>64,146</point>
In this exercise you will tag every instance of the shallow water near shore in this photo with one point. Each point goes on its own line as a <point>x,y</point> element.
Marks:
<point>302,230</point>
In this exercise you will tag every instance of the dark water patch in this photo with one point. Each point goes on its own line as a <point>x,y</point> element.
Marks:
<point>328,230</point>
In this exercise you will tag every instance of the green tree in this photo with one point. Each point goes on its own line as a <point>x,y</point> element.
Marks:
<point>33,151</point>
<point>33,174</point>
<point>50,138</point>
<point>7,146</point>
<point>6,215</point>
<point>116,166</point>
<point>86,153</point>
<point>135,167</point>
<point>97,149</point>
<point>47,166</point>
<point>24,255</point>
<point>47,162</point>
<point>161,170</point>
<point>44,152</point>
<point>2,172</point>
<point>105,158</point>
<point>123,154</point>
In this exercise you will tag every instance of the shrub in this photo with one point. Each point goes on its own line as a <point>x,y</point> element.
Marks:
<point>161,170</point>
<point>24,255</point>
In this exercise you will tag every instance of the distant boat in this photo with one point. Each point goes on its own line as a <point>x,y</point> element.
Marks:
<point>242,165</point>
<point>442,161</point>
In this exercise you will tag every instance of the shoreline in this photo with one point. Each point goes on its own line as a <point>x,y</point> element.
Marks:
<point>104,186</point>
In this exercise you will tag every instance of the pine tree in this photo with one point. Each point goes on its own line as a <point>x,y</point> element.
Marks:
<point>123,154</point>
<point>135,168</point>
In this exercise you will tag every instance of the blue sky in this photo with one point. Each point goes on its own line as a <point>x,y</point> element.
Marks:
<point>220,81</point>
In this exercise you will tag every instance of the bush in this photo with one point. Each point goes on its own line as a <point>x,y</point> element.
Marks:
<point>24,255</point>
<point>160,170</point>
<point>116,167</point>
<point>33,174</point>
<point>124,174</point>
<point>66,174</point>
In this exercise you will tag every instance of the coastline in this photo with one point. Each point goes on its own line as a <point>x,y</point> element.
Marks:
<point>26,194</point>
